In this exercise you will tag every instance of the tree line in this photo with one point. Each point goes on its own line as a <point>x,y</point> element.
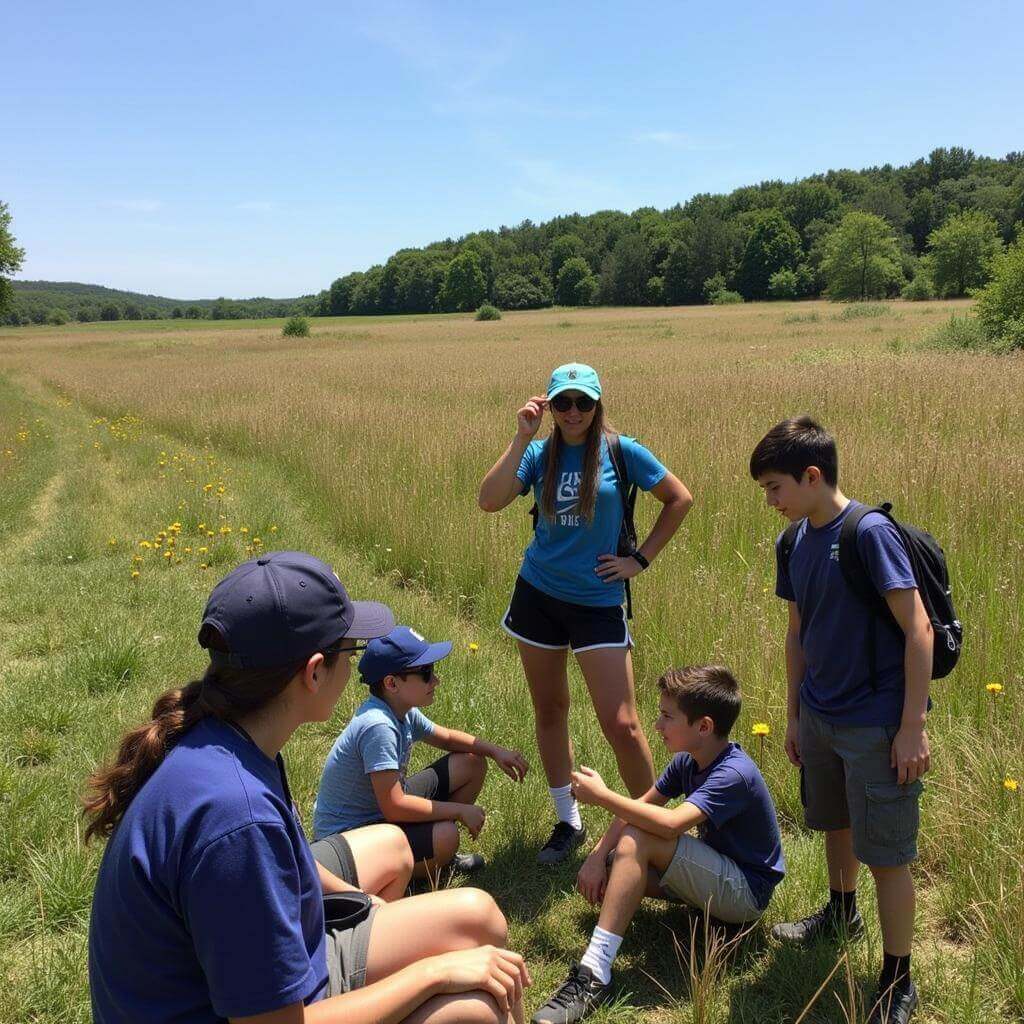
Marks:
<point>930,228</point>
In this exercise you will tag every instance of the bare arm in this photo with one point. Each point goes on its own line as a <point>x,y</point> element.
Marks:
<point>501,486</point>
<point>397,805</point>
<point>795,666</point>
<point>910,754</point>
<point>330,882</point>
<point>511,762</point>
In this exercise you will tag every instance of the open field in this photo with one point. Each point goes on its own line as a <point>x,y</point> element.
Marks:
<point>365,444</point>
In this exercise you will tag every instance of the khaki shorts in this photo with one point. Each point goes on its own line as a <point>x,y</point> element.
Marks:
<point>704,878</point>
<point>847,781</point>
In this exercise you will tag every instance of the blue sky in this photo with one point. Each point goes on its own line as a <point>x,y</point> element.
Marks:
<point>204,149</point>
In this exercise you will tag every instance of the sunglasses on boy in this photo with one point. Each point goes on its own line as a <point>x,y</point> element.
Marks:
<point>348,649</point>
<point>426,671</point>
<point>563,403</point>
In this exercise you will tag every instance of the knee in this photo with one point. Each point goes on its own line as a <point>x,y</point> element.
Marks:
<point>446,840</point>
<point>551,712</point>
<point>480,1008</point>
<point>632,844</point>
<point>622,730</point>
<point>477,766</point>
<point>480,919</point>
<point>399,851</point>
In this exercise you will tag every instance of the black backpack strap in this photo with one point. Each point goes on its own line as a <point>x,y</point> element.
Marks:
<point>786,543</point>
<point>627,492</point>
<point>858,580</point>
<point>535,509</point>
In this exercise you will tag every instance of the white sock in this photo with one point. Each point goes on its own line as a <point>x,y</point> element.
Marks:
<point>600,954</point>
<point>565,805</point>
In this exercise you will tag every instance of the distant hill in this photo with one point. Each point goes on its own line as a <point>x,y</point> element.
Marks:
<point>61,301</point>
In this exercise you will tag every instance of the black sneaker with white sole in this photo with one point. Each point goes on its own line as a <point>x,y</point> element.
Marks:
<point>822,924</point>
<point>894,1006</point>
<point>577,997</point>
<point>467,863</point>
<point>563,840</point>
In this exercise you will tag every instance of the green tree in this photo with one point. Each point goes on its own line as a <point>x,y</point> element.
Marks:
<point>1000,307</point>
<point>773,245</point>
<point>783,284</point>
<point>465,286</point>
<point>563,249</point>
<point>10,259</point>
<point>862,258</point>
<point>961,252</point>
<point>110,311</point>
<point>517,291</point>
<point>626,272</point>
<point>574,271</point>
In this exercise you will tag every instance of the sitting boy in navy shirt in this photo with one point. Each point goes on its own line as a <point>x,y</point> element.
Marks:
<point>730,869</point>
<point>364,778</point>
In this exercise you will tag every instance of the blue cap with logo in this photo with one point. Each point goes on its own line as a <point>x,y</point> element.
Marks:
<point>575,377</point>
<point>285,606</point>
<point>402,648</point>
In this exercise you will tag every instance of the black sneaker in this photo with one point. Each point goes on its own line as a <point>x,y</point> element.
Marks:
<point>577,997</point>
<point>467,863</point>
<point>564,839</point>
<point>895,1006</point>
<point>822,924</point>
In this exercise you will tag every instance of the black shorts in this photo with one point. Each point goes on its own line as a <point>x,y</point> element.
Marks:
<point>540,620</point>
<point>432,783</point>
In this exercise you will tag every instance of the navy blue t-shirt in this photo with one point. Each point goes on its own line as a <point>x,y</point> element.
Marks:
<point>741,822</point>
<point>208,903</point>
<point>834,621</point>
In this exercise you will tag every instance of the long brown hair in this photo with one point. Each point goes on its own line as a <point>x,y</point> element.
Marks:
<point>224,692</point>
<point>591,473</point>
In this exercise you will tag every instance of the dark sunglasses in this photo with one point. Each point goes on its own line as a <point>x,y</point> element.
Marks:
<point>349,651</point>
<point>563,403</point>
<point>426,671</point>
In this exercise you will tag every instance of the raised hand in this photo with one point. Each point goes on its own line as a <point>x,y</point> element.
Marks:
<point>529,417</point>
<point>512,763</point>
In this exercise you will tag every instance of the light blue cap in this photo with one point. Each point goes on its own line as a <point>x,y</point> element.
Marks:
<point>575,377</point>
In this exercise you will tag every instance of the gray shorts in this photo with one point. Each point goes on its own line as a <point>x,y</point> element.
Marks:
<point>847,781</point>
<point>704,878</point>
<point>347,949</point>
<point>335,854</point>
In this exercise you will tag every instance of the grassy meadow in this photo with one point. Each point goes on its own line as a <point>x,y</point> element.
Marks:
<point>139,462</point>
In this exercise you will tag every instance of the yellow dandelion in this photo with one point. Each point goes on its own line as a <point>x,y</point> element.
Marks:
<point>112,542</point>
<point>474,648</point>
<point>203,550</point>
<point>761,729</point>
<point>995,689</point>
<point>188,551</point>
<point>256,542</point>
<point>243,529</point>
<point>273,529</point>
<point>137,558</point>
<point>221,489</point>
<point>145,544</point>
<point>1010,784</point>
<point>209,533</point>
<point>168,554</point>
<point>225,530</point>
<point>135,574</point>
<point>204,566</point>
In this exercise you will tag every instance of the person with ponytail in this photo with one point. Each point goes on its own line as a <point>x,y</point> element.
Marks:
<point>209,904</point>
<point>570,591</point>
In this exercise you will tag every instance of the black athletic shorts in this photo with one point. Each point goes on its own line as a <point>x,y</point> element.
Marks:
<point>432,783</point>
<point>540,620</point>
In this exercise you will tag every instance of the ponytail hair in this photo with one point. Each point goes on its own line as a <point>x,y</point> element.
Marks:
<point>225,692</point>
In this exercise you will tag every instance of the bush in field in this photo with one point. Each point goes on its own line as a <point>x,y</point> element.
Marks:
<point>958,334</point>
<point>488,312</point>
<point>920,288</point>
<point>296,327</point>
<point>1000,307</point>
<point>58,317</point>
<point>862,311</point>
<point>862,258</point>
<point>712,286</point>
<point>725,298</point>
<point>783,285</point>
<point>962,251</point>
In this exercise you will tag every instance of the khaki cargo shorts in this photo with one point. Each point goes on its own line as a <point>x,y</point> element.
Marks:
<point>846,781</point>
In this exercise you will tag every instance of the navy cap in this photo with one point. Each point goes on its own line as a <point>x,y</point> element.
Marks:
<point>285,606</point>
<point>402,648</point>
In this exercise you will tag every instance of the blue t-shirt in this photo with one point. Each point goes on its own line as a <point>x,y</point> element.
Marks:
<point>834,621</point>
<point>374,741</point>
<point>208,902</point>
<point>562,557</point>
<point>741,822</point>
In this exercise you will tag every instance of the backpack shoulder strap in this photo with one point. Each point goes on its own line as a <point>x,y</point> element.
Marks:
<point>850,562</point>
<point>627,492</point>
<point>535,508</point>
<point>787,542</point>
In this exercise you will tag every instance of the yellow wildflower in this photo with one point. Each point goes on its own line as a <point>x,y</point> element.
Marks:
<point>273,529</point>
<point>1010,784</point>
<point>225,530</point>
<point>145,544</point>
<point>168,554</point>
<point>761,729</point>
<point>474,648</point>
<point>112,542</point>
<point>135,574</point>
<point>209,533</point>
<point>204,566</point>
<point>203,550</point>
<point>201,527</point>
<point>207,488</point>
<point>243,529</point>
<point>995,689</point>
<point>188,551</point>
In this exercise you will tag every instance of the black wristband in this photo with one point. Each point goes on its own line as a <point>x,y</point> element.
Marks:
<point>640,560</point>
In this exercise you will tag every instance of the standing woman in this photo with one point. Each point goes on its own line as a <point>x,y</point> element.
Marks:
<point>570,589</point>
<point>209,905</point>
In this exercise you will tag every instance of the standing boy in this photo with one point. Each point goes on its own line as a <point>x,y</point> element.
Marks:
<point>857,697</point>
<point>365,777</point>
<point>729,871</point>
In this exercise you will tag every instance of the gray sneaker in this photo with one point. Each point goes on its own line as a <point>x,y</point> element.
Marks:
<point>563,840</point>
<point>577,997</point>
<point>896,1006</point>
<point>822,924</point>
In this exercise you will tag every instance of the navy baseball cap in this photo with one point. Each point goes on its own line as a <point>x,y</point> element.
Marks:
<point>285,606</point>
<point>402,648</point>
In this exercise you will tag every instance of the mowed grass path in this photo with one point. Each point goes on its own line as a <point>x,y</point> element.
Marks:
<point>365,444</point>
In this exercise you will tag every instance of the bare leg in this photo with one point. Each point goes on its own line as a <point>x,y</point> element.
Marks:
<point>636,854</point>
<point>383,860</point>
<point>843,866</point>
<point>446,845</point>
<point>549,690</point>
<point>896,905</point>
<point>466,774</point>
<point>609,675</point>
<point>467,1008</point>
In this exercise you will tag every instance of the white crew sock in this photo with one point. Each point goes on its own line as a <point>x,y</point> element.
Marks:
<point>565,805</point>
<point>600,954</point>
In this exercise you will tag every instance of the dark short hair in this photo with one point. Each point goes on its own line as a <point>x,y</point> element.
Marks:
<point>700,690</point>
<point>794,445</point>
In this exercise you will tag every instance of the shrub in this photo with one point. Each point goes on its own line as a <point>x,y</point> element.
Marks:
<point>712,286</point>
<point>1000,305</point>
<point>783,285</point>
<point>57,317</point>
<point>920,289</point>
<point>488,312</point>
<point>862,311</point>
<point>958,334</point>
<point>801,318</point>
<point>296,327</point>
<point>725,298</point>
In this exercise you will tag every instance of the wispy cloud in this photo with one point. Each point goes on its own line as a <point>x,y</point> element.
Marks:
<point>549,185</point>
<point>255,206</point>
<point>676,140</point>
<point>136,205</point>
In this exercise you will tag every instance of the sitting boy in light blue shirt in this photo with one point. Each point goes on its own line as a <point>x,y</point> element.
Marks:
<point>365,776</point>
